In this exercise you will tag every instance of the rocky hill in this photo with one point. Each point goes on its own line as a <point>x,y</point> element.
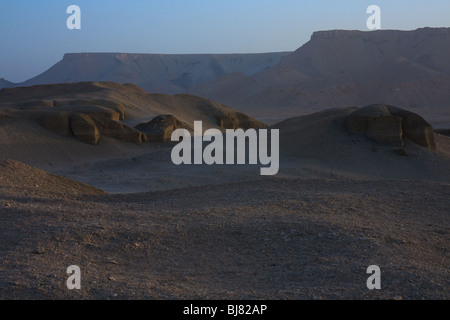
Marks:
<point>155,73</point>
<point>89,111</point>
<point>339,68</point>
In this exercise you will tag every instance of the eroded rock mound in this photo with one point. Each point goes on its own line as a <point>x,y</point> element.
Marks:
<point>415,128</point>
<point>84,128</point>
<point>57,122</point>
<point>90,110</point>
<point>389,125</point>
<point>160,128</point>
<point>238,120</point>
<point>119,131</point>
<point>99,112</point>
<point>90,125</point>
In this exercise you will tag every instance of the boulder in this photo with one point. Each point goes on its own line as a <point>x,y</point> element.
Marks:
<point>83,128</point>
<point>119,131</point>
<point>160,128</point>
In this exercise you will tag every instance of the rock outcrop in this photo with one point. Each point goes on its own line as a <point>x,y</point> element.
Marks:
<point>90,110</point>
<point>160,128</point>
<point>84,128</point>
<point>98,112</point>
<point>238,120</point>
<point>119,131</point>
<point>57,122</point>
<point>415,128</point>
<point>389,125</point>
<point>90,125</point>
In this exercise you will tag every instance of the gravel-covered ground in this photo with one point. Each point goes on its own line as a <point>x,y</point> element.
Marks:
<point>275,238</point>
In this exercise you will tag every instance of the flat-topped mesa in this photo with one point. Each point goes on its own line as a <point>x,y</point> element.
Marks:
<point>333,34</point>
<point>156,73</point>
<point>329,34</point>
<point>118,55</point>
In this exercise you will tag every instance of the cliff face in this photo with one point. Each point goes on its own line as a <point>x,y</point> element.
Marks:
<point>340,52</point>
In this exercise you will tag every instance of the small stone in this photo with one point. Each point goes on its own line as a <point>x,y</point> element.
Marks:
<point>39,251</point>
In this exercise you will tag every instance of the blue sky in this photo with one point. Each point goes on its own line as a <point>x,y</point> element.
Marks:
<point>34,35</point>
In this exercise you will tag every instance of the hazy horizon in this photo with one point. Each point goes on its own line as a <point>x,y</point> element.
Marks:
<point>36,35</point>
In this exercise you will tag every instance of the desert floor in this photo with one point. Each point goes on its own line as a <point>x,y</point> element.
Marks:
<point>302,234</point>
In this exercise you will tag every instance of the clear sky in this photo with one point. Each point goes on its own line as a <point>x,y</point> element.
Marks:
<point>34,35</point>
